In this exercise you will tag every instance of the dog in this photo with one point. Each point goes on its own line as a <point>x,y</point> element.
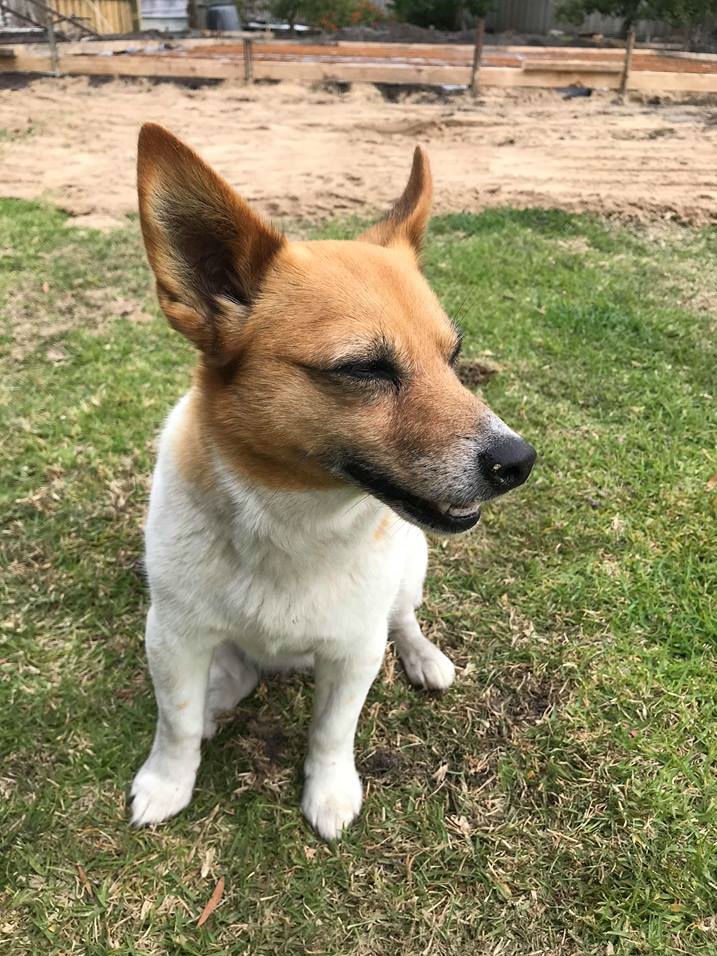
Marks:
<point>324,431</point>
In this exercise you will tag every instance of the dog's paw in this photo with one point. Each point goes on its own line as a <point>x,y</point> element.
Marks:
<point>429,668</point>
<point>332,799</point>
<point>157,796</point>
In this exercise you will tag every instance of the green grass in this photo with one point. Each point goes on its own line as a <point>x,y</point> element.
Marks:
<point>561,798</point>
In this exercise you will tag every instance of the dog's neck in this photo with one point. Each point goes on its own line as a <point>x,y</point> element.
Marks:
<point>295,520</point>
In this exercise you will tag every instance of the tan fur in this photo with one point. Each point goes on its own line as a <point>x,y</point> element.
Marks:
<point>382,527</point>
<point>311,304</point>
<point>408,220</point>
<point>189,447</point>
<point>176,186</point>
<point>270,419</point>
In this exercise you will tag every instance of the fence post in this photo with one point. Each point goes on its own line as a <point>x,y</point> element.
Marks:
<point>52,42</point>
<point>248,48</point>
<point>627,64</point>
<point>477,56</point>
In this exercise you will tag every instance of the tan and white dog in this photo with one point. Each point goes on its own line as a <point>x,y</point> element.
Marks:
<point>325,428</point>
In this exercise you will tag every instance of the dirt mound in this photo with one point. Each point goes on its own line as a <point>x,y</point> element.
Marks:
<point>396,31</point>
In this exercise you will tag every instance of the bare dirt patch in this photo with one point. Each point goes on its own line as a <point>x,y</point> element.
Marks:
<point>474,373</point>
<point>37,319</point>
<point>304,153</point>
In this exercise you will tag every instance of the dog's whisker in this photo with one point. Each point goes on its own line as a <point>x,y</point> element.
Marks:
<point>359,501</point>
<point>466,302</point>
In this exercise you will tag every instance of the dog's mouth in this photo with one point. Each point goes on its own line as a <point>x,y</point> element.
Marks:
<point>449,517</point>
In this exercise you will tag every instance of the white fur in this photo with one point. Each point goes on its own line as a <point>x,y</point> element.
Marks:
<point>245,580</point>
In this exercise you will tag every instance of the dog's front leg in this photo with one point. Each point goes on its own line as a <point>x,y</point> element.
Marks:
<point>332,788</point>
<point>180,671</point>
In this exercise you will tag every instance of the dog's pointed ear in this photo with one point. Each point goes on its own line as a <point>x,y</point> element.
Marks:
<point>408,219</point>
<point>209,252</point>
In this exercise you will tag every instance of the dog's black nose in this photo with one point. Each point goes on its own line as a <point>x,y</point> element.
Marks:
<point>506,462</point>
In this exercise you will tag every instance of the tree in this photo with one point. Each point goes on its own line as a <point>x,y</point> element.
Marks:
<point>288,10</point>
<point>442,14</point>
<point>694,16</point>
<point>327,14</point>
<point>690,14</point>
<point>575,11</point>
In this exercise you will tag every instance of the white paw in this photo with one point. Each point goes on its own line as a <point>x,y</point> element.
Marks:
<point>331,800</point>
<point>429,668</point>
<point>156,795</point>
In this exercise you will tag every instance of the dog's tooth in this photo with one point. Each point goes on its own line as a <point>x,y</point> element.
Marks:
<point>460,511</point>
<point>456,511</point>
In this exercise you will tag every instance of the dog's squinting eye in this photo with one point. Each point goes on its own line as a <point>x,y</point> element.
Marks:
<point>456,351</point>
<point>369,370</point>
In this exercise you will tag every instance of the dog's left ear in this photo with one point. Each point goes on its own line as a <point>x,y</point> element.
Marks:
<point>408,220</point>
<point>209,251</point>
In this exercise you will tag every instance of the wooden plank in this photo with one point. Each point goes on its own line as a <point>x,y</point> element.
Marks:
<point>649,81</point>
<point>136,44</point>
<point>26,63</point>
<point>677,55</point>
<point>646,81</point>
<point>408,73</point>
<point>546,79</point>
<point>569,66</point>
<point>232,67</point>
<point>210,68</point>
<point>537,59</point>
<point>348,45</point>
<point>595,51</point>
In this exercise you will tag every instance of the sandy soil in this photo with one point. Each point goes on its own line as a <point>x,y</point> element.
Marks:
<point>302,153</point>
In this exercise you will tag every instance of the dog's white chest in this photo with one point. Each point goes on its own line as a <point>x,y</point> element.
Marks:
<point>291,602</point>
<point>278,574</point>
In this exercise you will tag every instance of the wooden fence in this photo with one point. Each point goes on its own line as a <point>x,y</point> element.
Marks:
<point>103,16</point>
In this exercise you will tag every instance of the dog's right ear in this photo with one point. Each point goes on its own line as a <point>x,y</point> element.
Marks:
<point>408,220</point>
<point>208,250</point>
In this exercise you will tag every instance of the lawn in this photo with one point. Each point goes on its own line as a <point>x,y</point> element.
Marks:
<point>561,798</point>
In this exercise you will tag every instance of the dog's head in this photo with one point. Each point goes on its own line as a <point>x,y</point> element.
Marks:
<point>322,362</point>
